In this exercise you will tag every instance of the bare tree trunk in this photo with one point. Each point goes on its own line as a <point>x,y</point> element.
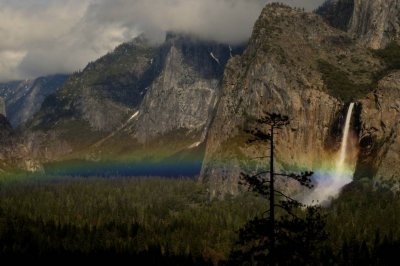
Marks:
<point>272,196</point>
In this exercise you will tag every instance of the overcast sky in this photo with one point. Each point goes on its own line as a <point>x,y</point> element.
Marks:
<point>40,37</point>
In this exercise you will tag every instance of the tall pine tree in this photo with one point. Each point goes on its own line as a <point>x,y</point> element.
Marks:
<point>288,233</point>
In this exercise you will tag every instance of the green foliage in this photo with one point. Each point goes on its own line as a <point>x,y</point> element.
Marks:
<point>391,55</point>
<point>120,76</point>
<point>284,234</point>
<point>364,226</point>
<point>173,222</point>
<point>121,61</point>
<point>339,83</point>
<point>122,216</point>
<point>75,129</point>
<point>361,211</point>
<point>300,239</point>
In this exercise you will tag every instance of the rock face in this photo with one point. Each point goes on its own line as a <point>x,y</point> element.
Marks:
<point>281,72</point>
<point>92,103</point>
<point>338,13</point>
<point>138,93</point>
<point>13,154</point>
<point>2,107</point>
<point>7,146</point>
<point>24,98</point>
<point>170,98</point>
<point>376,22</point>
<point>103,94</point>
<point>184,95</point>
<point>380,131</point>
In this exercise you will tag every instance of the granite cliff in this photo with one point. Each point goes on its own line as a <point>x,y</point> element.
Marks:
<point>338,13</point>
<point>297,65</point>
<point>380,132</point>
<point>376,22</point>
<point>184,95</point>
<point>2,106</point>
<point>6,143</point>
<point>13,154</point>
<point>140,93</point>
<point>189,95</point>
<point>22,99</point>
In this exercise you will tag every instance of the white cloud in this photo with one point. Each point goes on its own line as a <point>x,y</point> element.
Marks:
<point>53,36</point>
<point>9,63</point>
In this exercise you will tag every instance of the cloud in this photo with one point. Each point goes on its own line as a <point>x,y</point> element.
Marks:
<point>57,36</point>
<point>31,28</point>
<point>9,62</point>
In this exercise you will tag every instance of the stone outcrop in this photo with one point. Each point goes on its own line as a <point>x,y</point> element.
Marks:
<point>183,97</point>
<point>138,93</point>
<point>24,98</point>
<point>376,22</point>
<point>170,97</point>
<point>380,131</point>
<point>6,144</point>
<point>92,103</point>
<point>101,96</point>
<point>13,153</point>
<point>338,13</point>
<point>2,106</point>
<point>280,72</point>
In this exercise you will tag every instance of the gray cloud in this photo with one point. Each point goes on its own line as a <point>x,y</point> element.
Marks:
<point>57,36</point>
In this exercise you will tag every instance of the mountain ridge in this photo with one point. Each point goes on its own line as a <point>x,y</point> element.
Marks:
<point>296,65</point>
<point>22,99</point>
<point>183,73</point>
<point>191,98</point>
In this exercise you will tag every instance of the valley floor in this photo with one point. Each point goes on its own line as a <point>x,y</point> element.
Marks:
<point>173,221</point>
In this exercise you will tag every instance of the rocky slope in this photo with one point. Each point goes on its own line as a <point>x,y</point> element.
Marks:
<point>296,65</point>
<point>376,22</point>
<point>92,103</point>
<point>6,143</point>
<point>24,98</point>
<point>150,101</point>
<point>103,94</point>
<point>380,132</point>
<point>2,106</point>
<point>13,154</point>
<point>184,95</point>
<point>137,94</point>
<point>338,13</point>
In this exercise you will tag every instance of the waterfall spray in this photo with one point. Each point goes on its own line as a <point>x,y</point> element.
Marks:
<point>332,179</point>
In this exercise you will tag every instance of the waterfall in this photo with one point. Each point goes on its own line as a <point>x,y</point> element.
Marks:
<point>337,173</point>
<point>345,140</point>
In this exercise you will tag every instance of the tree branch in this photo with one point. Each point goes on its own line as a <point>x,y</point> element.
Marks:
<point>261,173</point>
<point>285,196</point>
<point>303,178</point>
<point>287,210</point>
<point>262,157</point>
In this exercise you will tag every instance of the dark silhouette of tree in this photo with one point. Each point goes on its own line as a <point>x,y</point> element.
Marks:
<point>288,232</point>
